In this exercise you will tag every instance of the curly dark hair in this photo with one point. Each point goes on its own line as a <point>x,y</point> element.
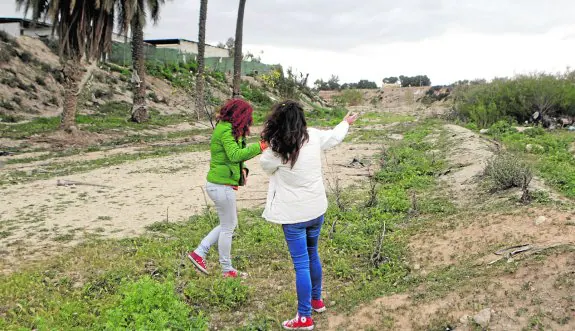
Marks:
<point>239,113</point>
<point>286,130</point>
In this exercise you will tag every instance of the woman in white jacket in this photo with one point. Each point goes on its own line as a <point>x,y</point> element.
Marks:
<point>296,196</point>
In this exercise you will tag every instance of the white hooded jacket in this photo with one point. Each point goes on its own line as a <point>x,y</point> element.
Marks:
<point>297,194</point>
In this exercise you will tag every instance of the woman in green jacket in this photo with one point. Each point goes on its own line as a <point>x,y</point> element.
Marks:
<point>227,171</point>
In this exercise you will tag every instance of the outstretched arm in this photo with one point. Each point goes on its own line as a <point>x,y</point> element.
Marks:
<point>333,137</point>
<point>234,152</point>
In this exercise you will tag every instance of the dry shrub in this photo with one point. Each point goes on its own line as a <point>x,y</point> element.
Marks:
<point>506,171</point>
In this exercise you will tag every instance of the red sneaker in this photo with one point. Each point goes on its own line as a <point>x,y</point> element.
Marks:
<point>298,323</point>
<point>235,274</point>
<point>199,262</point>
<point>318,306</point>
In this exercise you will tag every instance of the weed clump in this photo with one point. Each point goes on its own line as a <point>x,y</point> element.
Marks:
<point>150,305</point>
<point>507,171</point>
<point>225,293</point>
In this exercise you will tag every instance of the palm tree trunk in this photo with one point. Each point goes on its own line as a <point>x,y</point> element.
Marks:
<point>71,72</point>
<point>200,79</point>
<point>238,50</point>
<point>139,108</point>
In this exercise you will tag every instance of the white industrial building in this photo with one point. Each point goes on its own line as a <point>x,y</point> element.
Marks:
<point>188,46</point>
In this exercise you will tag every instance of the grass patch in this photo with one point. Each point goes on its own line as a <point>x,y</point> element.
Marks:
<point>132,139</point>
<point>550,154</point>
<point>111,116</point>
<point>382,118</point>
<point>323,117</point>
<point>64,237</point>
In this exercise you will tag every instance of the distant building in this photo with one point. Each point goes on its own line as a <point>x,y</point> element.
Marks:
<point>188,46</point>
<point>17,27</point>
<point>118,38</point>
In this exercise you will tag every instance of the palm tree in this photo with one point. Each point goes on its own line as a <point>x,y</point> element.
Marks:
<point>200,80</point>
<point>84,29</point>
<point>133,15</point>
<point>238,50</point>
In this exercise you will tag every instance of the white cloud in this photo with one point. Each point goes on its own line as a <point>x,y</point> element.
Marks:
<point>455,55</point>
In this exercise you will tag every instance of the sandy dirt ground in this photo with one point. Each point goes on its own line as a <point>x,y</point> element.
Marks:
<point>41,217</point>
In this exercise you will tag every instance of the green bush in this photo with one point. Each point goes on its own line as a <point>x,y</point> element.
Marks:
<point>26,57</point>
<point>506,171</point>
<point>40,81</point>
<point>5,55</point>
<point>535,132</point>
<point>500,128</point>
<point>52,44</point>
<point>219,76</point>
<point>255,95</point>
<point>516,99</point>
<point>472,126</point>
<point>150,305</point>
<point>5,37</point>
<point>225,293</point>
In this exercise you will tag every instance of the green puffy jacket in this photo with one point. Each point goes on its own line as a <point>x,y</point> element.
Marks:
<point>228,155</point>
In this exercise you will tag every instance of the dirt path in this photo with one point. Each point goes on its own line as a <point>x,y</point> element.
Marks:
<point>467,158</point>
<point>40,217</point>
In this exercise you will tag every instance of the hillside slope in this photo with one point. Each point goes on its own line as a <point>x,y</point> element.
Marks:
<point>30,85</point>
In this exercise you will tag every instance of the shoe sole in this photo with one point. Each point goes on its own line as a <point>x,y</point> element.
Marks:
<point>198,266</point>
<point>320,310</point>
<point>307,328</point>
<point>242,275</point>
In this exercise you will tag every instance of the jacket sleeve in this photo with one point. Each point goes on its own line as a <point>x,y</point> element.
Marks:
<point>333,137</point>
<point>269,161</point>
<point>234,152</point>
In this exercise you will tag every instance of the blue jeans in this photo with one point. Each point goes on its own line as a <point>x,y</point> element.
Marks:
<point>302,241</point>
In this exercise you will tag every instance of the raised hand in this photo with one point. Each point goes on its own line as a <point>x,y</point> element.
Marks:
<point>350,117</point>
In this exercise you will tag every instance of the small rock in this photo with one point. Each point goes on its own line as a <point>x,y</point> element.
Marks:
<point>534,148</point>
<point>571,128</point>
<point>89,104</point>
<point>484,131</point>
<point>395,136</point>
<point>464,319</point>
<point>540,220</point>
<point>416,266</point>
<point>332,303</point>
<point>483,317</point>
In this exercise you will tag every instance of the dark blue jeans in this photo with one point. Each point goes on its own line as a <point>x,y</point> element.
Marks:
<point>302,241</point>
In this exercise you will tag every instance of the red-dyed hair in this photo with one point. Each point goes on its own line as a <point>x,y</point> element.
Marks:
<point>239,113</point>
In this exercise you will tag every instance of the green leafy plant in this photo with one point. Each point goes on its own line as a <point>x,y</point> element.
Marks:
<point>500,128</point>
<point>226,293</point>
<point>150,305</point>
<point>255,95</point>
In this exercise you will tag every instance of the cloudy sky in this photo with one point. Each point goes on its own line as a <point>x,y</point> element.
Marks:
<point>371,39</point>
